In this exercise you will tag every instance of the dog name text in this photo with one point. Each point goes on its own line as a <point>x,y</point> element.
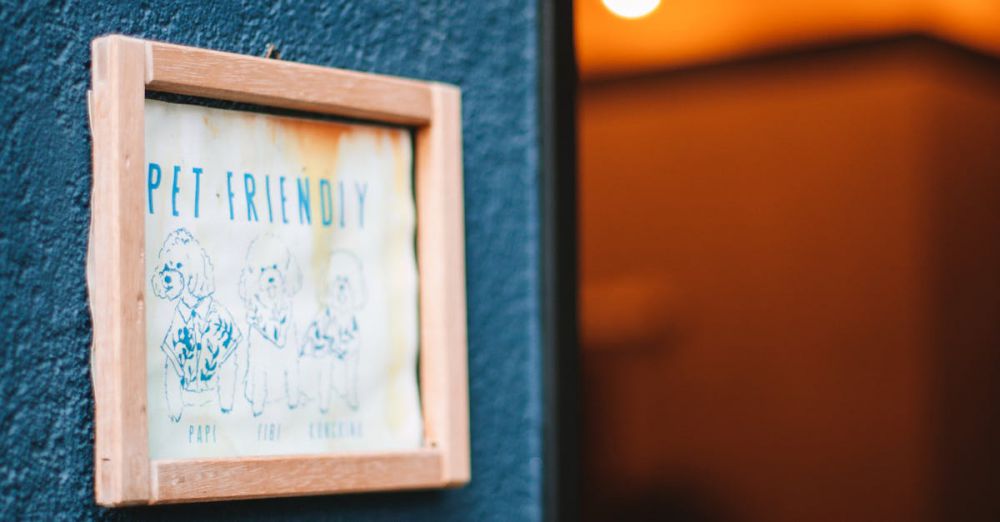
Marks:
<point>202,434</point>
<point>269,432</point>
<point>339,429</point>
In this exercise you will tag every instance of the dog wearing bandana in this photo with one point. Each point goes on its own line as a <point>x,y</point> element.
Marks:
<point>269,281</point>
<point>331,349</point>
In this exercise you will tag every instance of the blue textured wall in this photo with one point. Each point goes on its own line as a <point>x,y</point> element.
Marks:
<point>46,410</point>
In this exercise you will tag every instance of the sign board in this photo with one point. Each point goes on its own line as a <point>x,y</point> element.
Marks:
<point>281,256</point>
<point>277,293</point>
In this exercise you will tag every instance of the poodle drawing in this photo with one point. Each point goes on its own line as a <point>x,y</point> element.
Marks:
<point>199,365</point>
<point>268,282</point>
<point>332,344</point>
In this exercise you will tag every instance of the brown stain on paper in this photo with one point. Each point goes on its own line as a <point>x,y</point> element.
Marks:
<point>316,144</point>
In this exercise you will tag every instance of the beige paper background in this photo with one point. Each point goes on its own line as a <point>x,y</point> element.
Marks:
<point>373,159</point>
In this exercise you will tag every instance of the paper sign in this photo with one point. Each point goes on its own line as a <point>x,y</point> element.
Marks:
<point>281,299</point>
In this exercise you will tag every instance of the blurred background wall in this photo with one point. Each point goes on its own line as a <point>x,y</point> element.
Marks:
<point>790,271</point>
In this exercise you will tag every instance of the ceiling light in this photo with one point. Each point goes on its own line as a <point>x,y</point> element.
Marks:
<point>631,8</point>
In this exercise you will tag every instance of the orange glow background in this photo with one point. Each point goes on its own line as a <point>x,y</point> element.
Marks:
<point>684,32</point>
<point>790,261</point>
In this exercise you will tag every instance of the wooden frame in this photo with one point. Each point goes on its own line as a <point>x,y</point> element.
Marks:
<point>123,70</point>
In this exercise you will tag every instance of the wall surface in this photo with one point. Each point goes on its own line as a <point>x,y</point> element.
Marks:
<point>46,412</point>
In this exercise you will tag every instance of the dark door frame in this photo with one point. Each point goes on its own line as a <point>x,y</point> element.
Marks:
<point>558,208</point>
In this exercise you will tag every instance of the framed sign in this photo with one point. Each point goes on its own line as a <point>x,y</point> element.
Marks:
<point>276,277</point>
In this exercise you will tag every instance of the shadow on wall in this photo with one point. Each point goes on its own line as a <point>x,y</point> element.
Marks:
<point>791,288</point>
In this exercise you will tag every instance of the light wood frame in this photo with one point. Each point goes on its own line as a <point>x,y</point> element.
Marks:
<point>123,69</point>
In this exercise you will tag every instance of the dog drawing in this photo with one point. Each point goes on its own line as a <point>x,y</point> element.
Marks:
<point>332,344</point>
<point>269,280</point>
<point>202,338</point>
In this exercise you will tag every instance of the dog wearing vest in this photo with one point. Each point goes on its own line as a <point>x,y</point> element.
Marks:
<point>200,366</point>
<point>331,348</point>
<point>269,281</point>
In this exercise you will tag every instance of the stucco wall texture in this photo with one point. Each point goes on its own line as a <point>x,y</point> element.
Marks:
<point>46,412</point>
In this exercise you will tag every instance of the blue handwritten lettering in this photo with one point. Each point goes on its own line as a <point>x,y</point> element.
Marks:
<point>152,185</point>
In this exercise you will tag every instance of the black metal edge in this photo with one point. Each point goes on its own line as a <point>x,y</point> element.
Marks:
<point>559,281</point>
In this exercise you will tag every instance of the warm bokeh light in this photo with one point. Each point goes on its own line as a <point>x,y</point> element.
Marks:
<point>631,9</point>
<point>703,31</point>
